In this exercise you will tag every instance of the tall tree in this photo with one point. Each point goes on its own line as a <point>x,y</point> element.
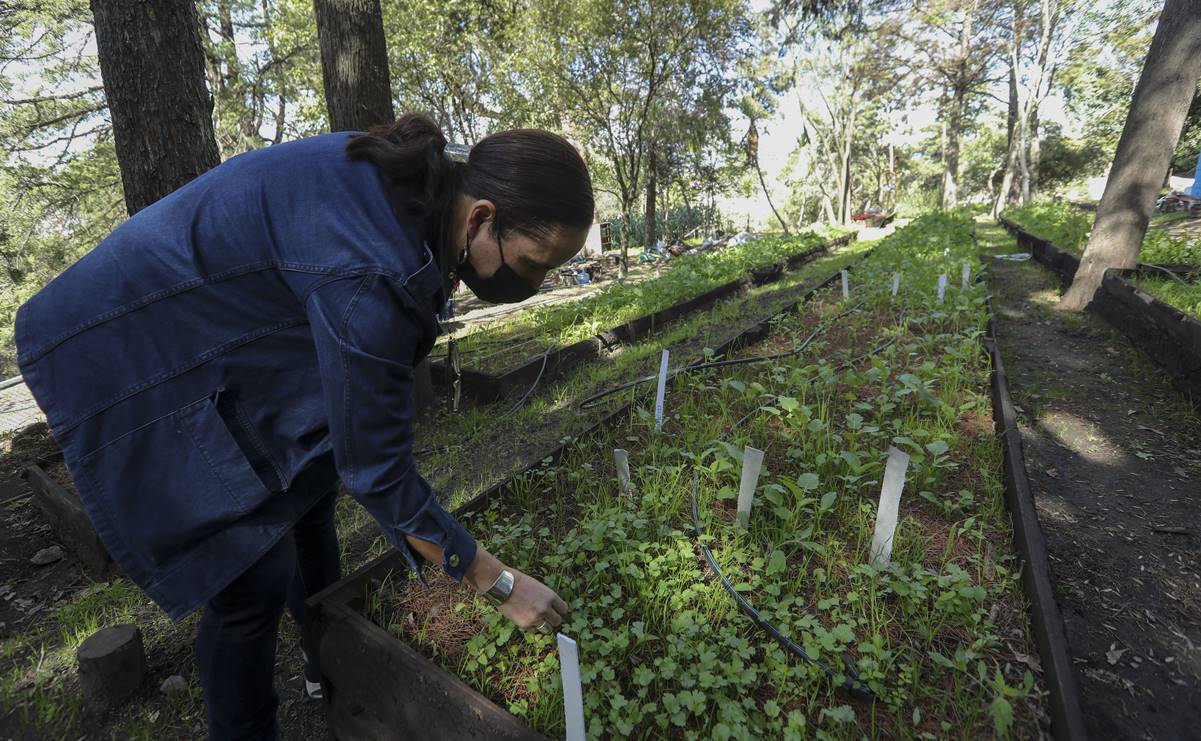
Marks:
<point>1029,85</point>
<point>961,40</point>
<point>161,110</point>
<point>358,94</point>
<point>354,63</point>
<point>613,66</point>
<point>1156,117</point>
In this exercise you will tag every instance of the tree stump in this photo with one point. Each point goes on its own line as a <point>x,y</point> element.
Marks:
<point>111,664</point>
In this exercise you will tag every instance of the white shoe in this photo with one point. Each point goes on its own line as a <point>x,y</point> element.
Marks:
<point>311,689</point>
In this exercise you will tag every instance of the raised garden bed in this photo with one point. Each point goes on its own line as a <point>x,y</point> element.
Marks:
<point>545,366</point>
<point>1061,262</point>
<point>665,651</point>
<point>1164,333</point>
<point>55,497</point>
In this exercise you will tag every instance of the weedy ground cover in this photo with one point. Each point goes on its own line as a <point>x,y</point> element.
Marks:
<point>1183,295</point>
<point>939,635</point>
<point>552,411</point>
<point>1068,228</point>
<point>496,347</point>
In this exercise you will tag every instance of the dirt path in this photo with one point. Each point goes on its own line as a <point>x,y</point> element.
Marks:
<point>1114,458</point>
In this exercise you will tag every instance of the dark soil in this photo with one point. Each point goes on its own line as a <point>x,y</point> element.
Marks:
<point>30,597</point>
<point>1114,458</point>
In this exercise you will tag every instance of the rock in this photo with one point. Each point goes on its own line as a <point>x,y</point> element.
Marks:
<point>173,685</point>
<point>111,664</point>
<point>47,556</point>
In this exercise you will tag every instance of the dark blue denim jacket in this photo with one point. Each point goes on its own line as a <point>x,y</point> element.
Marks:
<point>260,322</point>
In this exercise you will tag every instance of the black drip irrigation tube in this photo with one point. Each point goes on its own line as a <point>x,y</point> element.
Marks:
<point>596,398</point>
<point>850,680</point>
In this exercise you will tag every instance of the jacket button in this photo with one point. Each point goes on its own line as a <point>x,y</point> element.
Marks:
<point>453,560</point>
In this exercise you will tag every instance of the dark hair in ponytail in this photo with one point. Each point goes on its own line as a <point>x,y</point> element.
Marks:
<point>537,180</point>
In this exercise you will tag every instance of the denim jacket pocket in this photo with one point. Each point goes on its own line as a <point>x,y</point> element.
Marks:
<point>174,481</point>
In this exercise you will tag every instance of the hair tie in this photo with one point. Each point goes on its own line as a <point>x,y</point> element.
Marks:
<point>456,152</point>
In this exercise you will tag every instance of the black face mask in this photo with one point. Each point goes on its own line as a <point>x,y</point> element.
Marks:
<point>504,286</point>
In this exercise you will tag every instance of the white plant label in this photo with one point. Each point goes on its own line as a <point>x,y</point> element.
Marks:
<point>942,287</point>
<point>573,688</point>
<point>662,390</point>
<point>967,274</point>
<point>890,506</point>
<point>622,459</point>
<point>752,464</point>
<point>846,286</point>
<point>896,283</point>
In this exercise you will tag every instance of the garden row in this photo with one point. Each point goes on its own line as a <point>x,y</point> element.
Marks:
<point>485,426</point>
<point>1159,312</point>
<point>544,342</point>
<point>931,641</point>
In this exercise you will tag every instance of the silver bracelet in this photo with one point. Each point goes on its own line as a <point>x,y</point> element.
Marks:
<point>501,588</point>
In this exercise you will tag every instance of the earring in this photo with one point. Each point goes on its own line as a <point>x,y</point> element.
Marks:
<point>463,254</point>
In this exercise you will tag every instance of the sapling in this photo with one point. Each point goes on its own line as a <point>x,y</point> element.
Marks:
<point>622,459</point>
<point>752,463</point>
<point>890,505</point>
<point>573,688</point>
<point>661,391</point>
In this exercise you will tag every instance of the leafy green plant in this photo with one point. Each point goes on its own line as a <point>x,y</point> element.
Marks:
<point>496,347</point>
<point>664,650</point>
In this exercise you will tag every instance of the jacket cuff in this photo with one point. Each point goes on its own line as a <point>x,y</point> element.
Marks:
<point>439,527</point>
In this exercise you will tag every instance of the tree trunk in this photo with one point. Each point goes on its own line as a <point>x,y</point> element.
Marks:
<point>767,195</point>
<point>152,64</point>
<point>828,210</point>
<point>648,223</point>
<point>358,95</point>
<point>354,63</point>
<point>1011,118</point>
<point>1032,157</point>
<point>844,187</point>
<point>1005,194</point>
<point>1153,124</point>
<point>950,173</point>
<point>892,178</point>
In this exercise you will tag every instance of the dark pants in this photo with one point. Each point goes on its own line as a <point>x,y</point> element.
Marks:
<point>235,645</point>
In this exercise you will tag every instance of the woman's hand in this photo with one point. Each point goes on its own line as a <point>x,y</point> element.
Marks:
<point>531,602</point>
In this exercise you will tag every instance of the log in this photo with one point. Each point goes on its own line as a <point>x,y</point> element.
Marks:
<point>112,662</point>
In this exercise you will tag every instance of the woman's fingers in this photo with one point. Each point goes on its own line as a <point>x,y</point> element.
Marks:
<point>559,605</point>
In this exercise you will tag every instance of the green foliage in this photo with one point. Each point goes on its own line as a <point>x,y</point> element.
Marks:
<point>672,223</point>
<point>1068,227</point>
<point>1058,222</point>
<point>1183,296</point>
<point>664,650</point>
<point>686,276</point>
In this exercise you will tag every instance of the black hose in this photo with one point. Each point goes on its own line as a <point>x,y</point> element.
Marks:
<point>850,682</point>
<point>541,370</point>
<point>593,400</point>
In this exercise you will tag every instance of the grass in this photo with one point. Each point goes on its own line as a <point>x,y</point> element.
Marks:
<point>1068,228</point>
<point>37,662</point>
<point>493,348</point>
<point>1184,296</point>
<point>939,634</point>
<point>551,414</point>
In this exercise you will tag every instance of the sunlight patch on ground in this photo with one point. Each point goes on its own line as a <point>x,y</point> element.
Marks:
<point>1083,437</point>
